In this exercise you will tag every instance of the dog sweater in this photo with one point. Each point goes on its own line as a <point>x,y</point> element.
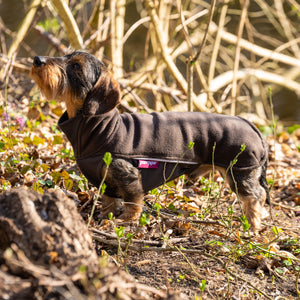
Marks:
<point>158,143</point>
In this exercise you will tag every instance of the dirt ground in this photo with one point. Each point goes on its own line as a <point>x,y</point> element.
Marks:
<point>233,264</point>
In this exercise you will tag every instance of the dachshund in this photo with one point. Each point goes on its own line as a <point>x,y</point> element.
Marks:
<point>148,149</point>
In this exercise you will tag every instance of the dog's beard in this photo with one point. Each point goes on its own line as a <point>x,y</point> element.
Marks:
<point>51,81</point>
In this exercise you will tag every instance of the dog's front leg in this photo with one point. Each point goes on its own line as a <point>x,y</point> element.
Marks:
<point>123,180</point>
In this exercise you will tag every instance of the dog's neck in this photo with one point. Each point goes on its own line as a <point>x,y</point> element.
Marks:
<point>73,107</point>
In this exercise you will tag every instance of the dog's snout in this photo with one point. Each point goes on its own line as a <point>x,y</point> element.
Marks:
<point>38,61</point>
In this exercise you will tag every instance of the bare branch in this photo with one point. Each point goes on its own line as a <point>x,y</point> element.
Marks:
<point>166,55</point>
<point>70,23</point>
<point>260,51</point>
<point>225,78</point>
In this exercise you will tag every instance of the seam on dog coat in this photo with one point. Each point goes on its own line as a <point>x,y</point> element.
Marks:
<point>163,137</point>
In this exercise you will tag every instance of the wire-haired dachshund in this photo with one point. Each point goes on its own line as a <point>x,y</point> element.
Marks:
<point>148,149</point>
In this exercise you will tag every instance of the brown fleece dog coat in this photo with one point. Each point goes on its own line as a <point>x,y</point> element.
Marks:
<point>163,138</point>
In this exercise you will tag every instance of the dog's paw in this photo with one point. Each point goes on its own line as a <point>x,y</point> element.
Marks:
<point>113,206</point>
<point>131,212</point>
<point>129,216</point>
<point>264,213</point>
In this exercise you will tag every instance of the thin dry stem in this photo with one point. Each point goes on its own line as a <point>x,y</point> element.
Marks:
<point>245,5</point>
<point>24,27</point>
<point>117,12</point>
<point>260,51</point>
<point>286,26</point>
<point>166,54</point>
<point>214,55</point>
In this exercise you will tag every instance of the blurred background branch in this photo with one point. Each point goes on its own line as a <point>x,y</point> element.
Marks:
<point>70,24</point>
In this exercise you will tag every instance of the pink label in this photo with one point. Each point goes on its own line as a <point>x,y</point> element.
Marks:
<point>148,164</point>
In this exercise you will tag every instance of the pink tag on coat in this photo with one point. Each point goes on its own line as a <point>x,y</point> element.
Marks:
<point>148,164</point>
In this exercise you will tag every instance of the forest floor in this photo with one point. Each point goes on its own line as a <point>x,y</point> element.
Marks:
<point>192,241</point>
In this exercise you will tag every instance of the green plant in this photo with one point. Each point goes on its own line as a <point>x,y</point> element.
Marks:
<point>202,285</point>
<point>107,160</point>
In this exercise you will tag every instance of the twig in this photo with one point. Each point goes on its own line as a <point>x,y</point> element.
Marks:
<point>102,35</point>
<point>23,29</point>
<point>135,97</point>
<point>189,263</point>
<point>286,206</point>
<point>184,29</point>
<point>140,76</point>
<point>214,55</point>
<point>297,284</point>
<point>225,78</point>
<point>85,204</point>
<point>51,39</point>
<point>142,249</point>
<point>96,34</point>
<point>211,11</point>
<point>135,286</point>
<point>237,276</point>
<point>13,280</point>
<point>286,26</point>
<point>193,59</point>
<point>6,71</point>
<point>175,249</point>
<point>245,5</point>
<point>114,237</point>
<point>117,13</point>
<point>277,50</point>
<point>134,27</point>
<point>190,62</point>
<point>189,72</point>
<point>151,87</point>
<point>99,192</point>
<point>164,47</point>
<point>140,241</point>
<point>6,31</point>
<point>166,54</point>
<point>192,18</point>
<point>217,223</point>
<point>270,14</point>
<point>295,4</point>
<point>260,51</point>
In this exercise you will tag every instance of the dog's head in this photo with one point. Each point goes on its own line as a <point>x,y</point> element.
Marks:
<point>79,79</point>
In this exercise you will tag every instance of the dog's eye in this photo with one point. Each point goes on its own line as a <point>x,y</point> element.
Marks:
<point>76,66</point>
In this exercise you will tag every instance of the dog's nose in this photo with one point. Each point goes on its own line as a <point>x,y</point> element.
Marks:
<point>39,61</point>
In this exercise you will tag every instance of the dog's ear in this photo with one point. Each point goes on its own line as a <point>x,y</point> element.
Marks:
<point>104,96</point>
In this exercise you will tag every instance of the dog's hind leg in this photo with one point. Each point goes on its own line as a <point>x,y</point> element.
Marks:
<point>110,205</point>
<point>124,181</point>
<point>251,188</point>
